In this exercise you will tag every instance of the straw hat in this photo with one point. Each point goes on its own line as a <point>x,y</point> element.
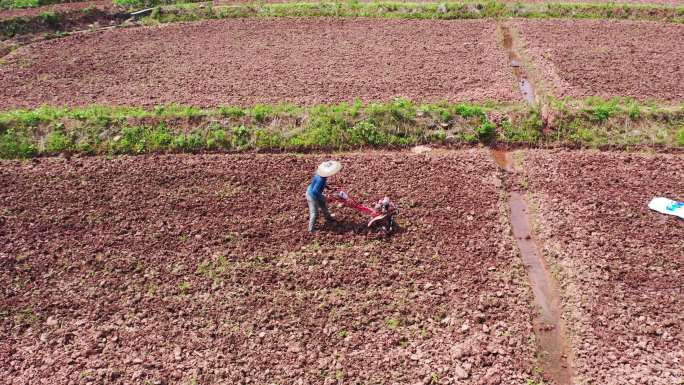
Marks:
<point>329,168</point>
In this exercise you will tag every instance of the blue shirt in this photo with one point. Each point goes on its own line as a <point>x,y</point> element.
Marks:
<point>315,189</point>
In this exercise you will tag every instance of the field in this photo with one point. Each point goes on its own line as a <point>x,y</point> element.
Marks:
<point>620,263</point>
<point>607,58</point>
<point>245,62</point>
<point>64,7</point>
<point>181,267</point>
<point>153,170</point>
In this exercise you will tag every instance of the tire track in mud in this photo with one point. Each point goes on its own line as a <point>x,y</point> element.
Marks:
<point>549,328</point>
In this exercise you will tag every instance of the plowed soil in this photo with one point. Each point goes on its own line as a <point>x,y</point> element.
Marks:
<point>65,7</point>
<point>171,269</point>
<point>620,264</point>
<point>582,58</point>
<point>247,61</point>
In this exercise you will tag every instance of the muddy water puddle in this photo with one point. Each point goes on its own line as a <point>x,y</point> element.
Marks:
<point>548,325</point>
<point>515,62</point>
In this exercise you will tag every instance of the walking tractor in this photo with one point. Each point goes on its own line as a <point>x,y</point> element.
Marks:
<point>381,214</point>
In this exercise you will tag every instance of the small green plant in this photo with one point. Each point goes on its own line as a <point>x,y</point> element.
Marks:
<point>680,137</point>
<point>49,19</point>
<point>261,112</point>
<point>486,131</point>
<point>218,138</point>
<point>26,317</point>
<point>392,323</point>
<point>16,145</point>
<point>366,133</point>
<point>602,110</point>
<point>57,141</point>
<point>231,112</point>
<point>634,110</point>
<point>241,136</point>
<point>344,334</point>
<point>187,142</point>
<point>184,287</point>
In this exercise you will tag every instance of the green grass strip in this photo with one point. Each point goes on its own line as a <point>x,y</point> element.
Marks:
<point>399,123</point>
<point>436,10</point>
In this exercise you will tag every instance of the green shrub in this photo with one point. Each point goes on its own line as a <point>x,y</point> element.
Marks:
<point>57,141</point>
<point>468,111</point>
<point>601,110</point>
<point>187,142</point>
<point>396,112</point>
<point>366,133</point>
<point>231,112</point>
<point>267,140</point>
<point>486,131</point>
<point>634,110</point>
<point>15,4</point>
<point>49,19</point>
<point>15,145</point>
<point>129,141</point>
<point>158,139</point>
<point>218,138</point>
<point>261,112</point>
<point>680,137</point>
<point>241,136</point>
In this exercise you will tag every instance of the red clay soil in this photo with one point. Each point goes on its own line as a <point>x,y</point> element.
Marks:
<point>248,61</point>
<point>582,58</point>
<point>173,268</point>
<point>620,264</point>
<point>103,5</point>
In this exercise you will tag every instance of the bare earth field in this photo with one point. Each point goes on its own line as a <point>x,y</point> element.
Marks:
<point>173,268</point>
<point>21,12</point>
<point>620,264</point>
<point>243,61</point>
<point>581,58</point>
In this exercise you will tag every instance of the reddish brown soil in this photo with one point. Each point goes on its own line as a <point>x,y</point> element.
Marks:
<point>113,273</point>
<point>608,58</point>
<point>247,61</point>
<point>103,5</point>
<point>620,264</point>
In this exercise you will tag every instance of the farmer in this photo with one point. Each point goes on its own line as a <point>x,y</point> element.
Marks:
<point>314,193</point>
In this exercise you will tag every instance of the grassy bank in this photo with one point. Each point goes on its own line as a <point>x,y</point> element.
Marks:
<point>19,4</point>
<point>394,124</point>
<point>436,10</point>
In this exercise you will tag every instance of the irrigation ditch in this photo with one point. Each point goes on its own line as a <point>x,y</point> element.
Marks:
<point>553,347</point>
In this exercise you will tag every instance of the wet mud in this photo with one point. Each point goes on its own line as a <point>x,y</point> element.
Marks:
<point>524,84</point>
